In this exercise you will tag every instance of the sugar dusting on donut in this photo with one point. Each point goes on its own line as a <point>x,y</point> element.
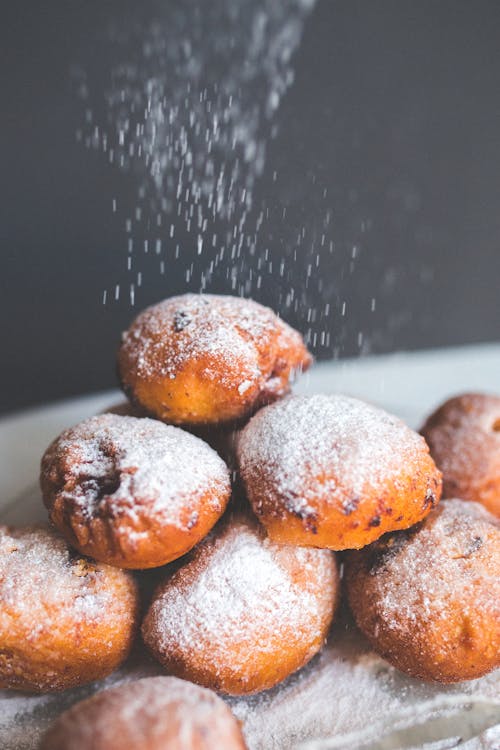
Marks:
<point>145,699</point>
<point>38,572</point>
<point>422,573</point>
<point>237,590</point>
<point>151,709</point>
<point>335,438</point>
<point>125,463</point>
<point>224,330</point>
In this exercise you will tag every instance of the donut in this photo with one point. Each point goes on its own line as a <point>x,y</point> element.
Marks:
<point>154,713</point>
<point>64,619</point>
<point>428,599</point>
<point>130,492</point>
<point>464,439</point>
<point>334,472</point>
<point>243,613</point>
<point>207,359</point>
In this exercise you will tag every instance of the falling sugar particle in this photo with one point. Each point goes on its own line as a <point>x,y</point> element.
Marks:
<point>174,126</point>
<point>190,116</point>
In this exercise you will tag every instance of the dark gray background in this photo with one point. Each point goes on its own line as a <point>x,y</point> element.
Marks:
<point>395,106</point>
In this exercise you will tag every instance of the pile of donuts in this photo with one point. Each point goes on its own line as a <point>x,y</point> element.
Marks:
<point>253,513</point>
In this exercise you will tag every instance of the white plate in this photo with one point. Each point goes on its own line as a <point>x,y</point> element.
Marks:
<point>347,696</point>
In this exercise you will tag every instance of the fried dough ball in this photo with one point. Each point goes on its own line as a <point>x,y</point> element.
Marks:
<point>135,493</point>
<point>207,359</point>
<point>154,713</point>
<point>334,472</point>
<point>244,612</point>
<point>428,599</point>
<point>464,439</point>
<point>64,620</point>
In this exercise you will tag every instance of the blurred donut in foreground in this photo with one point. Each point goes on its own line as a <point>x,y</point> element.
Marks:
<point>154,713</point>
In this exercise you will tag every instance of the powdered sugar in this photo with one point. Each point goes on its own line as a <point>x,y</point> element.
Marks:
<point>124,464</point>
<point>237,599</point>
<point>348,447</point>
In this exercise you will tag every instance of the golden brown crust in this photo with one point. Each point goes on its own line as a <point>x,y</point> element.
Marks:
<point>206,359</point>
<point>64,620</point>
<point>134,493</point>
<point>464,439</point>
<point>154,713</point>
<point>428,599</point>
<point>333,472</point>
<point>244,612</point>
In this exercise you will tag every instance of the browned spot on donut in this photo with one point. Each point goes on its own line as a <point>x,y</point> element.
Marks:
<point>311,526</point>
<point>350,506</point>
<point>475,544</point>
<point>429,500</point>
<point>181,320</point>
<point>388,546</point>
<point>308,517</point>
<point>107,485</point>
<point>193,520</point>
<point>82,567</point>
<point>496,425</point>
<point>467,634</point>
